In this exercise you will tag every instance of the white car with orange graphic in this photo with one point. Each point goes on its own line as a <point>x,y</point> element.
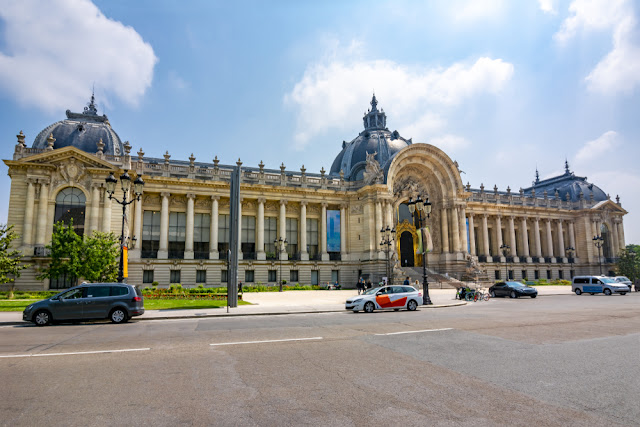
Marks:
<point>385,297</point>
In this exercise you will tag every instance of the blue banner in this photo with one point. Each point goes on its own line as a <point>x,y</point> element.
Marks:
<point>333,231</point>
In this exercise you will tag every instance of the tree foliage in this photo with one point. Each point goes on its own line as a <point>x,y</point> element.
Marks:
<point>629,262</point>
<point>94,258</point>
<point>10,260</point>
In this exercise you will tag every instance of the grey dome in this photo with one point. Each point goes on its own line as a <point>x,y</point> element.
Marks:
<point>565,184</point>
<point>82,130</point>
<point>375,138</point>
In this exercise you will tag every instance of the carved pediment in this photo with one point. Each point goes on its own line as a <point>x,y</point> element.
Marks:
<point>608,207</point>
<point>64,156</point>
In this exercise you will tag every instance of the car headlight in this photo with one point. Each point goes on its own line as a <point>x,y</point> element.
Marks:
<point>29,307</point>
<point>357,300</point>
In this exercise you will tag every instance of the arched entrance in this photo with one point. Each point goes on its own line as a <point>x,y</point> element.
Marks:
<point>406,249</point>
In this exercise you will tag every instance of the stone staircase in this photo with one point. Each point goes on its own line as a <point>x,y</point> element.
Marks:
<point>436,280</point>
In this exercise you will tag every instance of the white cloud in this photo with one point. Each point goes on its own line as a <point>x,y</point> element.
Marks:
<point>333,89</point>
<point>467,11</point>
<point>449,143</point>
<point>619,70</point>
<point>55,50</point>
<point>548,6</point>
<point>597,148</point>
<point>177,82</point>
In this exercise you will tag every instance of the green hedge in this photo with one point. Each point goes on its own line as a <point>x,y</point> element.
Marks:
<point>177,289</point>
<point>29,295</point>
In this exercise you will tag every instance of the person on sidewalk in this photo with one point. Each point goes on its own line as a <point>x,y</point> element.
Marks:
<point>360,285</point>
<point>406,282</point>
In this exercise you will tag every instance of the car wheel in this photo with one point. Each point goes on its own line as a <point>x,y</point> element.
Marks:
<point>396,309</point>
<point>533,296</point>
<point>412,305</point>
<point>355,311</point>
<point>493,294</point>
<point>42,318</point>
<point>369,307</point>
<point>623,293</point>
<point>513,295</point>
<point>578,291</point>
<point>118,315</point>
<point>607,291</point>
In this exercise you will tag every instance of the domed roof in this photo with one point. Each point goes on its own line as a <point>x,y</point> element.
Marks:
<point>375,138</point>
<point>568,183</point>
<point>82,130</point>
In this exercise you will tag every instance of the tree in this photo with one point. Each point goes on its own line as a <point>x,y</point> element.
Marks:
<point>10,260</point>
<point>100,257</point>
<point>629,262</point>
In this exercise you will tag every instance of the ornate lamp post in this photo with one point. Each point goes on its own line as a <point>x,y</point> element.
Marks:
<point>420,210</point>
<point>125,183</point>
<point>281,246</point>
<point>599,242</point>
<point>505,250</point>
<point>388,236</point>
<point>570,252</point>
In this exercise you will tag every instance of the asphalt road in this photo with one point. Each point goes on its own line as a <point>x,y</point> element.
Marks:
<point>556,360</point>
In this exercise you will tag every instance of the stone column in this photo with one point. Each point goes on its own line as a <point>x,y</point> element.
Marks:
<point>323,233</point>
<point>163,250</point>
<point>561,248</point>
<point>260,255</point>
<point>389,209</point>
<point>536,238</point>
<point>378,228</point>
<point>188,244</point>
<point>455,232</point>
<point>282,218</point>
<point>472,235</point>
<point>43,205</point>
<point>304,254</point>
<point>549,239</point>
<point>621,234</point>
<point>499,241</point>
<point>343,232</point>
<point>27,225</point>
<point>525,239</point>
<point>512,237</point>
<point>213,229</point>
<point>95,209</point>
<point>444,230</point>
<point>136,252</point>
<point>485,236</point>
<point>615,242</point>
<point>106,212</point>
<point>462,217</point>
<point>572,239</point>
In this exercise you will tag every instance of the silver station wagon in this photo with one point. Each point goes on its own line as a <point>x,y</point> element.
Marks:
<point>89,301</point>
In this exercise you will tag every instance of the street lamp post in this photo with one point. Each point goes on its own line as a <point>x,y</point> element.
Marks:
<point>421,210</point>
<point>281,246</point>
<point>388,236</point>
<point>599,242</point>
<point>125,183</point>
<point>570,253</point>
<point>505,250</point>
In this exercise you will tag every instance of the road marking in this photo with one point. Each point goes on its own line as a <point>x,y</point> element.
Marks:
<point>77,352</point>
<point>417,332</point>
<point>266,341</point>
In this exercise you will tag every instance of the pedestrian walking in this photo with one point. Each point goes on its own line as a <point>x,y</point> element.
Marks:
<point>360,285</point>
<point>406,282</point>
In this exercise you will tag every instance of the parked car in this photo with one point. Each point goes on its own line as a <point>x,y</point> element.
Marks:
<point>597,284</point>
<point>115,301</point>
<point>624,280</point>
<point>512,290</point>
<point>386,297</point>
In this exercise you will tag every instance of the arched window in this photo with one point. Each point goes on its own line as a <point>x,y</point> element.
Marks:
<point>70,204</point>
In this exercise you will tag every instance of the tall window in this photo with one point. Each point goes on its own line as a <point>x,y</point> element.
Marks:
<point>174,276</point>
<point>314,277</point>
<point>312,238</point>
<point>292,237</point>
<point>150,234</point>
<point>201,226</point>
<point>201,276</point>
<point>147,276</point>
<point>70,206</point>
<point>270,234</point>
<point>248,238</point>
<point>223,235</point>
<point>335,276</point>
<point>177,234</point>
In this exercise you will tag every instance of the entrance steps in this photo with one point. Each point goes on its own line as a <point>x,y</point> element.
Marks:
<point>436,280</point>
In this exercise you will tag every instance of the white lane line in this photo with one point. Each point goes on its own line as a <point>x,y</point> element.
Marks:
<point>266,341</point>
<point>417,332</point>
<point>77,352</point>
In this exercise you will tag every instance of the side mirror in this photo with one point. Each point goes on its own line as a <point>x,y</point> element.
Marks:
<point>378,293</point>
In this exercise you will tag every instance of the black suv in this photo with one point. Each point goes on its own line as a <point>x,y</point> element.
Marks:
<point>116,301</point>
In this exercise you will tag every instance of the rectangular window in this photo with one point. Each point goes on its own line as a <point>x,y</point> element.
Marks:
<point>224,276</point>
<point>270,234</point>
<point>314,277</point>
<point>174,276</point>
<point>201,234</point>
<point>548,274</point>
<point>560,274</point>
<point>248,276</point>
<point>177,234</point>
<point>510,274</point>
<point>333,231</point>
<point>312,238</point>
<point>496,274</point>
<point>293,277</point>
<point>524,274</point>
<point>147,276</point>
<point>201,276</point>
<point>223,235</point>
<point>273,276</point>
<point>536,274</point>
<point>248,238</point>
<point>150,234</point>
<point>335,276</point>
<point>292,237</point>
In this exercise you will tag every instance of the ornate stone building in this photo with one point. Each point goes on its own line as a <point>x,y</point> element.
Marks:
<point>333,222</point>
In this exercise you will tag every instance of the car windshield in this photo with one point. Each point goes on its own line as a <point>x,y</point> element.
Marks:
<point>516,285</point>
<point>372,291</point>
<point>622,279</point>
<point>607,280</point>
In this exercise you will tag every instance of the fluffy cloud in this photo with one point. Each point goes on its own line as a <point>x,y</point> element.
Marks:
<point>55,50</point>
<point>334,89</point>
<point>597,148</point>
<point>619,70</point>
<point>548,6</point>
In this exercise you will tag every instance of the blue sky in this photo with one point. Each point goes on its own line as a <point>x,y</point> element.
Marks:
<point>502,87</point>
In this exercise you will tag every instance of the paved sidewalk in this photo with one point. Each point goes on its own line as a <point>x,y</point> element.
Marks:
<point>289,302</point>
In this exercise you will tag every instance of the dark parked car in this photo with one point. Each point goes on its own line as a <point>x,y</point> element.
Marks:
<point>115,301</point>
<point>512,289</point>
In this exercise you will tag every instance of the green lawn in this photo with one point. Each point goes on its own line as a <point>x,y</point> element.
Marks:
<point>149,304</point>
